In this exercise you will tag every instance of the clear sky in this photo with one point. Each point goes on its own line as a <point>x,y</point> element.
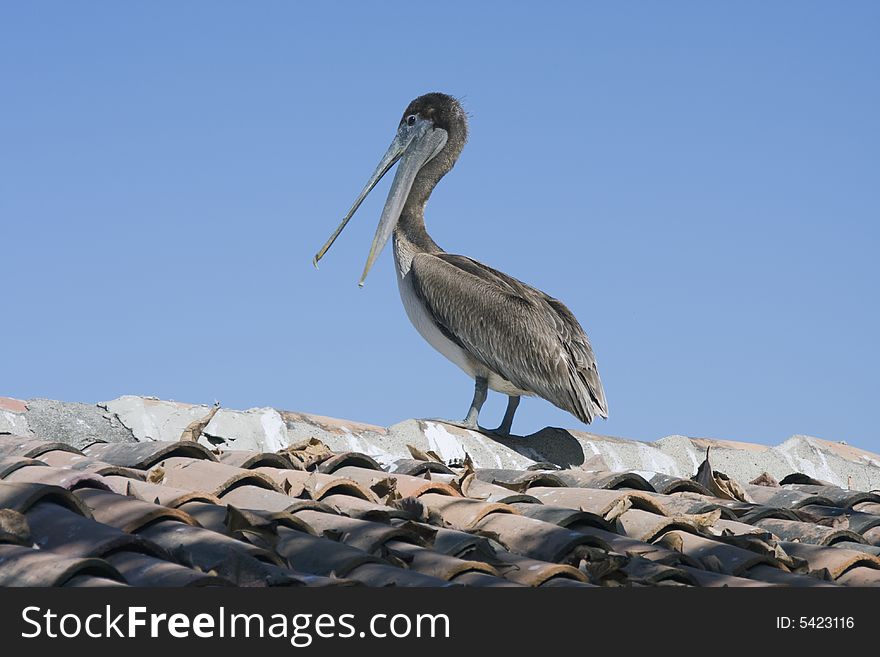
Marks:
<point>698,182</point>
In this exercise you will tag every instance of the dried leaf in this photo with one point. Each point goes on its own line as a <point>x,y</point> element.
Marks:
<point>156,475</point>
<point>765,479</point>
<point>515,486</point>
<point>419,455</point>
<point>703,520</point>
<point>463,479</point>
<point>620,507</point>
<point>719,484</point>
<point>308,453</point>
<point>195,428</point>
<point>14,528</point>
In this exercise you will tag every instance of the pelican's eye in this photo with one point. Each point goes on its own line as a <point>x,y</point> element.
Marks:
<point>411,119</point>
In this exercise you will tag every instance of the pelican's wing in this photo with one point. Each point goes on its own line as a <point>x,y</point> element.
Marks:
<point>525,336</point>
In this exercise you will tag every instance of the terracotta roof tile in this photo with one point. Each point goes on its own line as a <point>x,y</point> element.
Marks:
<point>597,501</point>
<point>58,529</point>
<point>24,566</point>
<point>184,514</point>
<point>145,455</point>
<point>833,559</point>
<point>126,513</point>
<point>209,476</point>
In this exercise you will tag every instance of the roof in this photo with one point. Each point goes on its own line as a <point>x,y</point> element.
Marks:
<point>109,495</point>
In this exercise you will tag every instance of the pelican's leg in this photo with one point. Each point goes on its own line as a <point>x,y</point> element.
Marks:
<point>507,422</point>
<point>481,389</point>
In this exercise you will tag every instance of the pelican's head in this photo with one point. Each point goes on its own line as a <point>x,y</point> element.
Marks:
<point>422,143</point>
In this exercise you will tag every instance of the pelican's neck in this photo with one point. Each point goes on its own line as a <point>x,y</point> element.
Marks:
<point>410,235</point>
<point>411,238</point>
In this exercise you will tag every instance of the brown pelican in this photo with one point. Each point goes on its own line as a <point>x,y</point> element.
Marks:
<point>507,335</point>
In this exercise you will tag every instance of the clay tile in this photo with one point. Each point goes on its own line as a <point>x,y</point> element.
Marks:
<point>30,447</point>
<point>841,497</point>
<point>807,532</point>
<point>405,485</point>
<point>210,476</point>
<point>690,503</point>
<point>784,497</point>
<point>647,526</point>
<point>872,535</point>
<point>519,480</point>
<point>597,500</point>
<point>379,574</point>
<point>82,463</point>
<point>709,579</point>
<point>483,490</point>
<point>316,485</point>
<point>241,562</point>
<point>145,455</point>
<point>91,582</point>
<point>835,559</point>
<point>577,478</point>
<point>10,464</point>
<point>838,517</point>
<point>157,494</point>
<point>565,583</point>
<point>668,485</point>
<point>867,507</point>
<point>63,531</point>
<point>362,534</point>
<point>462,512</point>
<point>22,496</point>
<point>144,570</point>
<point>251,497</point>
<point>477,579</point>
<point>533,572</point>
<point>355,459</point>
<point>127,513</point>
<point>244,459</point>
<point>24,566</point>
<point>320,555</point>
<point>62,477</point>
<point>772,575</point>
<point>417,468</point>
<point>354,507</point>
<point>730,559</point>
<point>436,564</point>
<point>563,516</point>
<point>860,576</point>
<point>536,539</point>
<point>639,570</point>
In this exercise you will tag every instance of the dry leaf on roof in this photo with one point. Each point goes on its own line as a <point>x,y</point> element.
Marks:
<point>620,507</point>
<point>462,481</point>
<point>385,489</point>
<point>156,475</point>
<point>195,428</point>
<point>703,520</point>
<point>419,455</point>
<point>719,484</point>
<point>765,479</point>
<point>14,528</point>
<point>309,452</point>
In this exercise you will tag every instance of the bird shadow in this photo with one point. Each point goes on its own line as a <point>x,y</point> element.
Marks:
<point>549,445</point>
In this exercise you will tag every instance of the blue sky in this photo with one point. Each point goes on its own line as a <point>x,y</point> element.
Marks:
<point>698,182</point>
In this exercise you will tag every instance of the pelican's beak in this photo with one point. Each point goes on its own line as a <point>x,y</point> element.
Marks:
<point>415,145</point>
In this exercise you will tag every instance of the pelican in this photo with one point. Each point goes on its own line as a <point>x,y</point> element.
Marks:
<point>506,335</point>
